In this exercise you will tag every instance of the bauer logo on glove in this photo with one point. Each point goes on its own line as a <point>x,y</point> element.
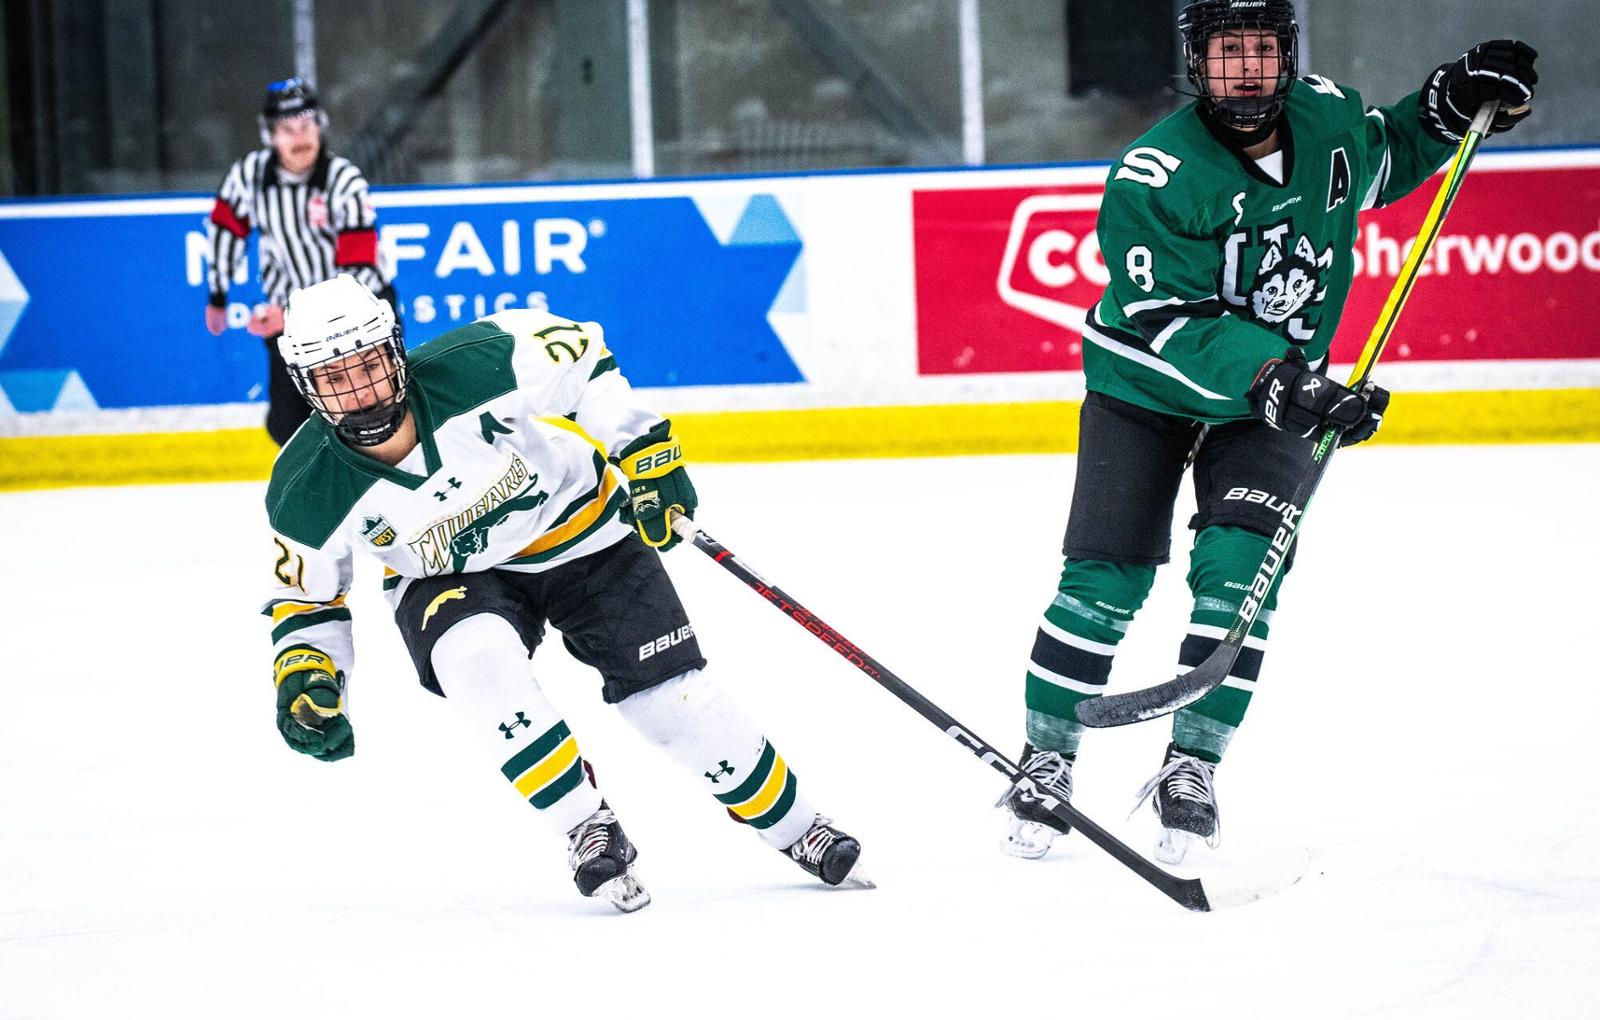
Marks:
<point>657,486</point>
<point>311,715</point>
<point>655,461</point>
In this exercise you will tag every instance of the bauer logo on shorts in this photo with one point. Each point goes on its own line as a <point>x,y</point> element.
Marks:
<point>1287,510</point>
<point>377,530</point>
<point>666,641</point>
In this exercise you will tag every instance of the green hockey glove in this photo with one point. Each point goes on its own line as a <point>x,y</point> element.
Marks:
<point>657,484</point>
<point>311,705</point>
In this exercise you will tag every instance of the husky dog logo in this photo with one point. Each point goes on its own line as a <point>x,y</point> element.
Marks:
<point>377,530</point>
<point>1289,280</point>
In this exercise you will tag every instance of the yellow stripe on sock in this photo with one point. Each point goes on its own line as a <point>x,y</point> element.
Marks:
<point>283,610</point>
<point>554,764</point>
<point>768,794</point>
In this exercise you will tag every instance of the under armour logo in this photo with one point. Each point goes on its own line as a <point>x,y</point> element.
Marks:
<point>725,770</point>
<point>441,495</point>
<point>522,720</point>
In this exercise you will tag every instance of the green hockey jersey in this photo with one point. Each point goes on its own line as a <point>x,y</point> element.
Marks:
<point>1216,267</point>
<point>517,417</point>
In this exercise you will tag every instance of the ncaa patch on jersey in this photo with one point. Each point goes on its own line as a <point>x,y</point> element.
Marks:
<point>377,530</point>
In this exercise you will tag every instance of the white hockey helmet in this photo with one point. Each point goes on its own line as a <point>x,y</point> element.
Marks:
<point>335,321</point>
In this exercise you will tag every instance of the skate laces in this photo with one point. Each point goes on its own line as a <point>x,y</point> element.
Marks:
<point>591,839</point>
<point>810,847</point>
<point>1186,778</point>
<point>1049,770</point>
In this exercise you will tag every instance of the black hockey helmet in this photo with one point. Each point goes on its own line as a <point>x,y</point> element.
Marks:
<point>291,97</point>
<point>1198,22</point>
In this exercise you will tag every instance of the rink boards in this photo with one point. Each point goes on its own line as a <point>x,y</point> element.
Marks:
<point>788,317</point>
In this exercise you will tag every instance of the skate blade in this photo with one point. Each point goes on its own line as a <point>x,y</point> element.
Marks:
<point>624,892</point>
<point>1172,845</point>
<point>857,879</point>
<point>1027,840</point>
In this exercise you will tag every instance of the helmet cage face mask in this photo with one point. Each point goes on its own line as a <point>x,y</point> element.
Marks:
<point>370,378</point>
<point>1200,22</point>
<point>342,347</point>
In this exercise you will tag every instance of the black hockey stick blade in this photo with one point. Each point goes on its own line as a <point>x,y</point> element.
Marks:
<point>1192,893</point>
<point>1163,699</point>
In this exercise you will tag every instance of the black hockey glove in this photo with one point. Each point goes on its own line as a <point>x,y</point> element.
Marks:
<point>1290,397</point>
<point>1366,428</point>
<point>1501,70</point>
<point>311,705</point>
<point>657,484</point>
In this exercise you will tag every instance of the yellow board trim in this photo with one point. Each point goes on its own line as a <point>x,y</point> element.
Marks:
<point>547,771</point>
<point>768,794</point>
<point>232,455</point>
<point>54,462</point>
<point>281,611</point>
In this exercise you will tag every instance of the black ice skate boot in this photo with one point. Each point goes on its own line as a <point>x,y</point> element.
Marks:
<point>1031,828</point>
<point>601,857</point>
<point>1186,802</point>
<point>829,854</point>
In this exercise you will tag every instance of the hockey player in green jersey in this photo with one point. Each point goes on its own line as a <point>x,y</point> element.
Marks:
<point>1227,230</point>
<point>482,470</point>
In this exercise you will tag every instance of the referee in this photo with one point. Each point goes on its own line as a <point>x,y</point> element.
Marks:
<point>316,221</point>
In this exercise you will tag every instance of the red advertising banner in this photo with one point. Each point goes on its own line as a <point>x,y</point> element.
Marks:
<point>1004,276</point>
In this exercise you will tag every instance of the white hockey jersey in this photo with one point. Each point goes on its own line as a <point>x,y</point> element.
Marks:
<point>516,416</point>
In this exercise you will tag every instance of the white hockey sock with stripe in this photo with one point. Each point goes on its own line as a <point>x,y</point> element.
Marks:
<point>701,728</point>
<point>482,666</point>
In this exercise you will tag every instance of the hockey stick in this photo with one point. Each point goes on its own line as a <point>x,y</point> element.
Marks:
<point>1195,894</point>
<point>1187,688</point>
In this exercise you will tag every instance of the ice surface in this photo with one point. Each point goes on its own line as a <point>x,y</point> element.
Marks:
<point>1425,726</point>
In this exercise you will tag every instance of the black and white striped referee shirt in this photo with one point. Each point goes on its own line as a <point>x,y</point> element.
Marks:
<point>311,230</point>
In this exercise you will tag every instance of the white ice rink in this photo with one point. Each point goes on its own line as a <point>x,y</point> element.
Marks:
<point>1425,726</point>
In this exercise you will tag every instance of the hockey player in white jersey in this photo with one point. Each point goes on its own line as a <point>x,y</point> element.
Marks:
<point>482,470</point>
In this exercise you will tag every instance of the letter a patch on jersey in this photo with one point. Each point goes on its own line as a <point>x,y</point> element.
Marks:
<point>1338,179</point>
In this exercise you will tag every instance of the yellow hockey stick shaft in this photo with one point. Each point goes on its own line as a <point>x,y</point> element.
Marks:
<point>1383,328</point>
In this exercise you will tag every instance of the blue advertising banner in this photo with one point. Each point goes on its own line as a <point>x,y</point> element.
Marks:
<point>101,302</point>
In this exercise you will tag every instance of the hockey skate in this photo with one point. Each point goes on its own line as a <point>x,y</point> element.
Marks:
<point>830,854</point>
<point>601,858</point>
<point>1186,802</point>
<point>1030,827</point>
